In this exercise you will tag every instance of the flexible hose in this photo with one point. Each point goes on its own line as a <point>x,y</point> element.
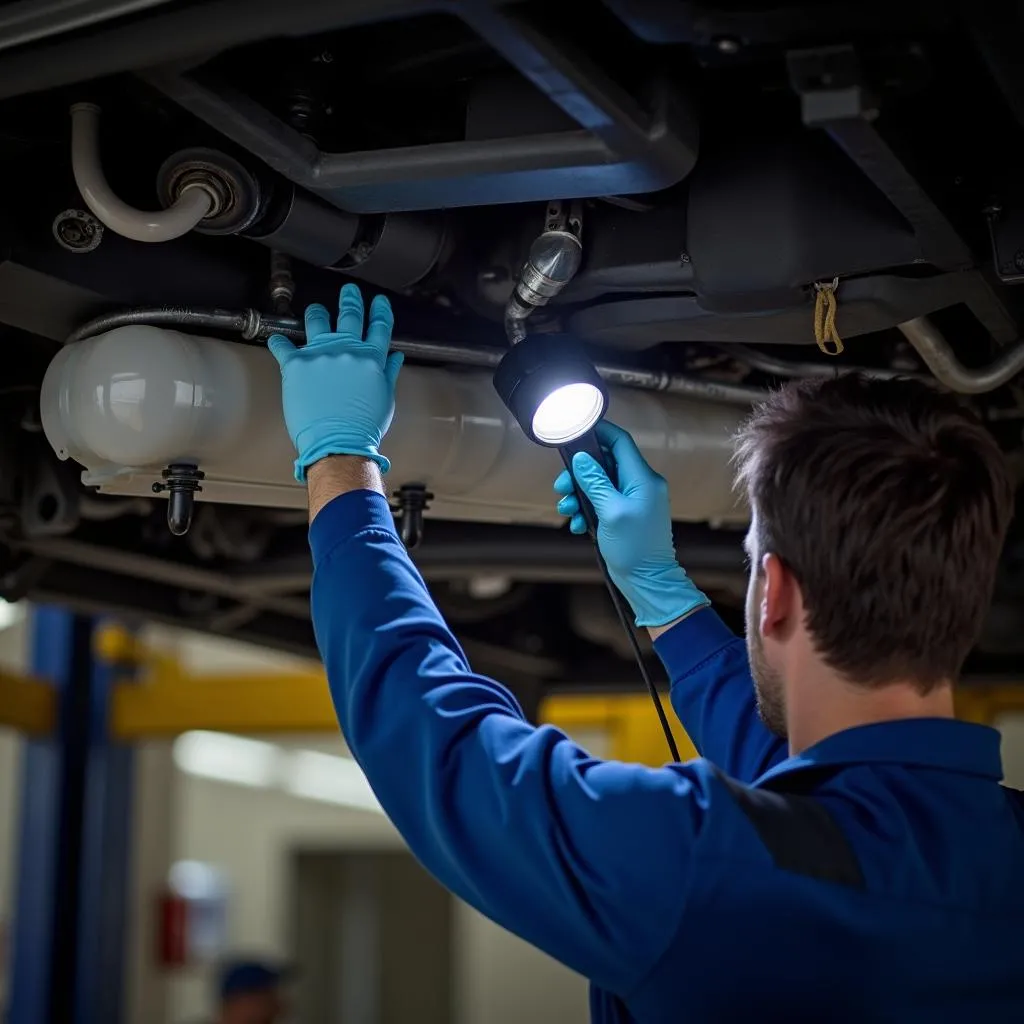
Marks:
<point>940,358</point>
<point>515,321</point>
<point>249,323</point>
<point>189,209</point>
<point>253,325</point>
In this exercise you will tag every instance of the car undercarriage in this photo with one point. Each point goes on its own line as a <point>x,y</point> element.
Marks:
<point>733,180</point>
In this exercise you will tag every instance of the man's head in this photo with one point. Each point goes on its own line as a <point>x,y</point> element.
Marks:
<point>250,993</point>
<point>879,510</point>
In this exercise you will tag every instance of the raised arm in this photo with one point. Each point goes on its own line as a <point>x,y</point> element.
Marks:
<point>588,860</point>
<point>707,665</point>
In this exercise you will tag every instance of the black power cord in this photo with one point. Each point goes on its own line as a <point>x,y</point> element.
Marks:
<point>622,609</point>
<point>589,443</point>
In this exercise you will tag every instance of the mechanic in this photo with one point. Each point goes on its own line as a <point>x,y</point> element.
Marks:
<point>251,992</point>
<point>719,889</point>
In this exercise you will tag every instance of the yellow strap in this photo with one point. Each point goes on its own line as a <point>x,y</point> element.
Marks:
<point>825,333</point>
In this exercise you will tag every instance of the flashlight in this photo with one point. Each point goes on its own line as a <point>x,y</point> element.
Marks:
<point>557,396</point>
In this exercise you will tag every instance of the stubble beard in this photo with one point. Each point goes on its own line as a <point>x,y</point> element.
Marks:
<point>768,690</point>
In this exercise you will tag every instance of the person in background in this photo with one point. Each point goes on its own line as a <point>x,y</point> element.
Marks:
<point>251,992</point>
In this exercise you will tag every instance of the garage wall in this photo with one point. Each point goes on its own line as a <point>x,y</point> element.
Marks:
<point>502,980</point>
<point>250,835</point>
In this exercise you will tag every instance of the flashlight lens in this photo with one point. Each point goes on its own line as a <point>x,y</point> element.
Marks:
<point>567,413</point>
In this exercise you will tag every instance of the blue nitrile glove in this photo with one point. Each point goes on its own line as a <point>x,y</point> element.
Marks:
<point>634,529</point>
<point>339,390</point>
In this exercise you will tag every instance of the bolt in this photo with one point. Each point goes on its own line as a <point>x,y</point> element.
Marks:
<point>684,258</point>
<point>301,110</point>
<point>727,45</point>
<point>282,284</point>
<point>77,231</point>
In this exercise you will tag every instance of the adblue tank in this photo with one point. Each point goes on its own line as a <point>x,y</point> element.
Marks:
<point>129,403</point>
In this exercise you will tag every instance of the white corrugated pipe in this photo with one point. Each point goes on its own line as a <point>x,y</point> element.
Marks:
<point>189,209</point>
<point>130,402</point>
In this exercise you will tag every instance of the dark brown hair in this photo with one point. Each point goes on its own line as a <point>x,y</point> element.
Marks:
<point>889,502</point>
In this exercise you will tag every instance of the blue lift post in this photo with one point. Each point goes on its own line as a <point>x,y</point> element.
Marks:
<point>74,855</point>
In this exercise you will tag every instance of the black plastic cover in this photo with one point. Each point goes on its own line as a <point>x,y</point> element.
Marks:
<point>765,222</point>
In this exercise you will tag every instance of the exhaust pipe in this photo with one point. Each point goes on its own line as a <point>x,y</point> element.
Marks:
<point>938,355</point>
<point>130,403</point>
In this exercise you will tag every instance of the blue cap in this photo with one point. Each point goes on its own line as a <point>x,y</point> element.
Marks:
<point>245,977</point>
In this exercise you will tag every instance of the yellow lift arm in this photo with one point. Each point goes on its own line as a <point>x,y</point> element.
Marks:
<point>167,701</point>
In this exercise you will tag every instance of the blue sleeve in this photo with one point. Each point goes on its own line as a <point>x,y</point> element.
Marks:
<point>588,860</point>
<point>713,695</point>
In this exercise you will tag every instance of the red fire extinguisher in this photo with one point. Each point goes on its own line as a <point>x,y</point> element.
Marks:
<point>172,937</point>
<point>192,915</point>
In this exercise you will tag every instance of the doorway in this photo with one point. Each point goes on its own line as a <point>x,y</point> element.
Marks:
<point>372,934</point>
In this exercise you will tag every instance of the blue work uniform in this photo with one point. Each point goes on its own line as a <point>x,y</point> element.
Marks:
<point>673,889</point>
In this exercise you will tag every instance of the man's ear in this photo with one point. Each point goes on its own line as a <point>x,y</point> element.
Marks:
<point>779,598</point>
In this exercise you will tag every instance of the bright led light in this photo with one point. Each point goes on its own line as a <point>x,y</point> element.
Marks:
<point>567,413</point>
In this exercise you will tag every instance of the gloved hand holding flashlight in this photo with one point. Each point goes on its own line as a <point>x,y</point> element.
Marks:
<point>634,529</point>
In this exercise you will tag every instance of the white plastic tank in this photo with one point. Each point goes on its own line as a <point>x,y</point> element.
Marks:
<point>128,403</point>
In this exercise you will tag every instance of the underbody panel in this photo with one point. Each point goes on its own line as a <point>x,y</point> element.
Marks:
<point>724,173</point>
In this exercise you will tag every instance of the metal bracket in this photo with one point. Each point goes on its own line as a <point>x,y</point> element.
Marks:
<point>614,145</point>
<point>835,97</point>
<point>1006,232</point>
<point>49,500</point>
<point>560,216</point>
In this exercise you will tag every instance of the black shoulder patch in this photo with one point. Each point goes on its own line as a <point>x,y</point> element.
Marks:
<point>799,833</point>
